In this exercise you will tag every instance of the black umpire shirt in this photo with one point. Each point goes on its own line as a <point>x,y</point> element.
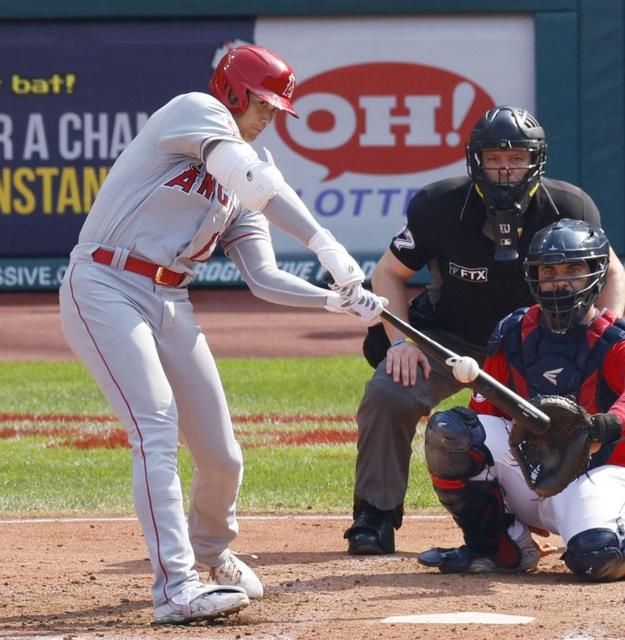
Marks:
<point>470,291</point>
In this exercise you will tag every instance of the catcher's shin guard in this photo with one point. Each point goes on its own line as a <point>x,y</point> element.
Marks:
<point>596,555</point>
<point>454,452</point>
<point>478,509</point>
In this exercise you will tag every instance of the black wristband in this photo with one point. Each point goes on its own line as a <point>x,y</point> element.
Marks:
<point>605,428</point>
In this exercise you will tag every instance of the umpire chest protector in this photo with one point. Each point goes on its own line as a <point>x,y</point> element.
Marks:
<point>542,362</point>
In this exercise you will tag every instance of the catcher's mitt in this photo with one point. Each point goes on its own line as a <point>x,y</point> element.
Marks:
<point>549,462</point>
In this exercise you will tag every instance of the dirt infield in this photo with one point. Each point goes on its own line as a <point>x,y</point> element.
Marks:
<point>76,580</point>
<point>80,579</point>
<point>235,323</point>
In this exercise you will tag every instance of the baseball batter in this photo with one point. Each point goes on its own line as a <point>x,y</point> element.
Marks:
<point>562,346</point>
<point>187,182</point>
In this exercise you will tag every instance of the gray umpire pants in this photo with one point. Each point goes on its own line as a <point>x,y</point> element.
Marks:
<point>387,420</point>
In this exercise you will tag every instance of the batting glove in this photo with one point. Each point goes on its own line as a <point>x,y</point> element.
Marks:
<point>356,301</point>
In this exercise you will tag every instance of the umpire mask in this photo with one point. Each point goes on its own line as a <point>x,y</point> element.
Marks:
<point>506,190</point>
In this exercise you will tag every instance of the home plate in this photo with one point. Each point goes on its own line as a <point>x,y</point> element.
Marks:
<point>460,617</point>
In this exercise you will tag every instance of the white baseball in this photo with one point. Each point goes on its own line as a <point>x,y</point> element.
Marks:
<point>465,369</point>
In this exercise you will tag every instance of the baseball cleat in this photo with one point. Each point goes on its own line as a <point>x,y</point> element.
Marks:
<point>372,532</point>
<point>207,606</point>
<point>234,572</point>
<point>464,560</point>
<point>365,543</point>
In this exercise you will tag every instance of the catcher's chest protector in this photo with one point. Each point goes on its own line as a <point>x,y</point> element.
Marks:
<point>544,363</point>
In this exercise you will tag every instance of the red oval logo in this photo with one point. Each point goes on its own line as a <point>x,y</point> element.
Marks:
<point>383,118</point>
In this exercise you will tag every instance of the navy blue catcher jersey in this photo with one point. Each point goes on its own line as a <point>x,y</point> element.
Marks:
<point>470,291</point>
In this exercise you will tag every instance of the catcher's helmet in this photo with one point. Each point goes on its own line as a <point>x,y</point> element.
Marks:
<point>506,128</point>
<point>256,69</point>
<point>563,242</point>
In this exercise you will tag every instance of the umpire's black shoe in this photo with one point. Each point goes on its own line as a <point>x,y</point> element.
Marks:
<point>372,532</point>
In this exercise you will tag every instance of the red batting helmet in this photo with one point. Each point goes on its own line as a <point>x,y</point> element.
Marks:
<point>258,70</point>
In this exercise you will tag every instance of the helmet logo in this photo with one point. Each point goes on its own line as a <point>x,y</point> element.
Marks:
<point>290,86</point>
<point>250,176</point>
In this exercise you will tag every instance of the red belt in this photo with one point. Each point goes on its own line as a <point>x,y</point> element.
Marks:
<point>160,275</point>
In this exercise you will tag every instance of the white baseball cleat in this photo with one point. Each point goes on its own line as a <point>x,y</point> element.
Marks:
<point>213,603</point>
<point>234,572</point>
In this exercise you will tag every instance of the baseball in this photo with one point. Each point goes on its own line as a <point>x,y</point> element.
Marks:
<point>465,369</point>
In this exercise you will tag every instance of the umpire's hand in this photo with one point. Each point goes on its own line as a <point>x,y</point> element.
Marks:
<point>402,360</point>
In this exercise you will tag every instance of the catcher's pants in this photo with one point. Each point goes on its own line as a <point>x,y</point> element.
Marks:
<point>141,343</point>
<point>387,421</point>
<point>596,500</point>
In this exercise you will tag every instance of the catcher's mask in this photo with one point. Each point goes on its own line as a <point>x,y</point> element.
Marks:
<point>564,242</point>
<point>505,128</point>
<point>256,69</point>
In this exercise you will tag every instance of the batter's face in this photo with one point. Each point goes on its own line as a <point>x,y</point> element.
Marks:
<point>507,166</point>
<point>568,277</point>
<point>258,115</point>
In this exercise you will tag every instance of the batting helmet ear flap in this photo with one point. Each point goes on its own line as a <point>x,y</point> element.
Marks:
<point>233,100</point>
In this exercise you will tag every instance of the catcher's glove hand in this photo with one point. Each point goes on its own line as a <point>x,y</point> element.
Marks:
<point>550,462</point>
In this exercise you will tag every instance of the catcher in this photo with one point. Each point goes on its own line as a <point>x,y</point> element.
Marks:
<point>496,479</point>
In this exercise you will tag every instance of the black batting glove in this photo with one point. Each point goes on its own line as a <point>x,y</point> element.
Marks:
<point>605,428</point>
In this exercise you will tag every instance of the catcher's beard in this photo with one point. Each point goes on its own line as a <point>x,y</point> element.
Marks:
<point>563,309</point>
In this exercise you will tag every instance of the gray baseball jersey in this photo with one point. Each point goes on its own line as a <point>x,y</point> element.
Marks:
<point>141,342</point>
<point>158,200</point>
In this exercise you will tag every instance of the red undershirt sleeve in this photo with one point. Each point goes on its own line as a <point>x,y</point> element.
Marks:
<point>614,373</point>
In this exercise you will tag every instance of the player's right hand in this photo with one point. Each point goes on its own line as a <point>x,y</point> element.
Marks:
<point>403,359</point>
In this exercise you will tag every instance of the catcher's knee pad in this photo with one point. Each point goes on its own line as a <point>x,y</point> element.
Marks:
<point>454,444</point>
<point>596,555</point>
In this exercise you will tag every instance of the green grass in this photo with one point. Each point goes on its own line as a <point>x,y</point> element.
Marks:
<point>283,385</point>
<point>49,387</point>
<point>37,479</point>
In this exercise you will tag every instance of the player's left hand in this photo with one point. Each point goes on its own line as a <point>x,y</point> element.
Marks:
<point>550,461</point>
<point>356,301</point>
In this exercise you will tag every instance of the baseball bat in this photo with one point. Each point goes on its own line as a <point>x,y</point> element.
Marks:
<point>511,403</point>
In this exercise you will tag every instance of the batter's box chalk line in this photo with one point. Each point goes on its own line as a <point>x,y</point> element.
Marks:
<point>459,617</point>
